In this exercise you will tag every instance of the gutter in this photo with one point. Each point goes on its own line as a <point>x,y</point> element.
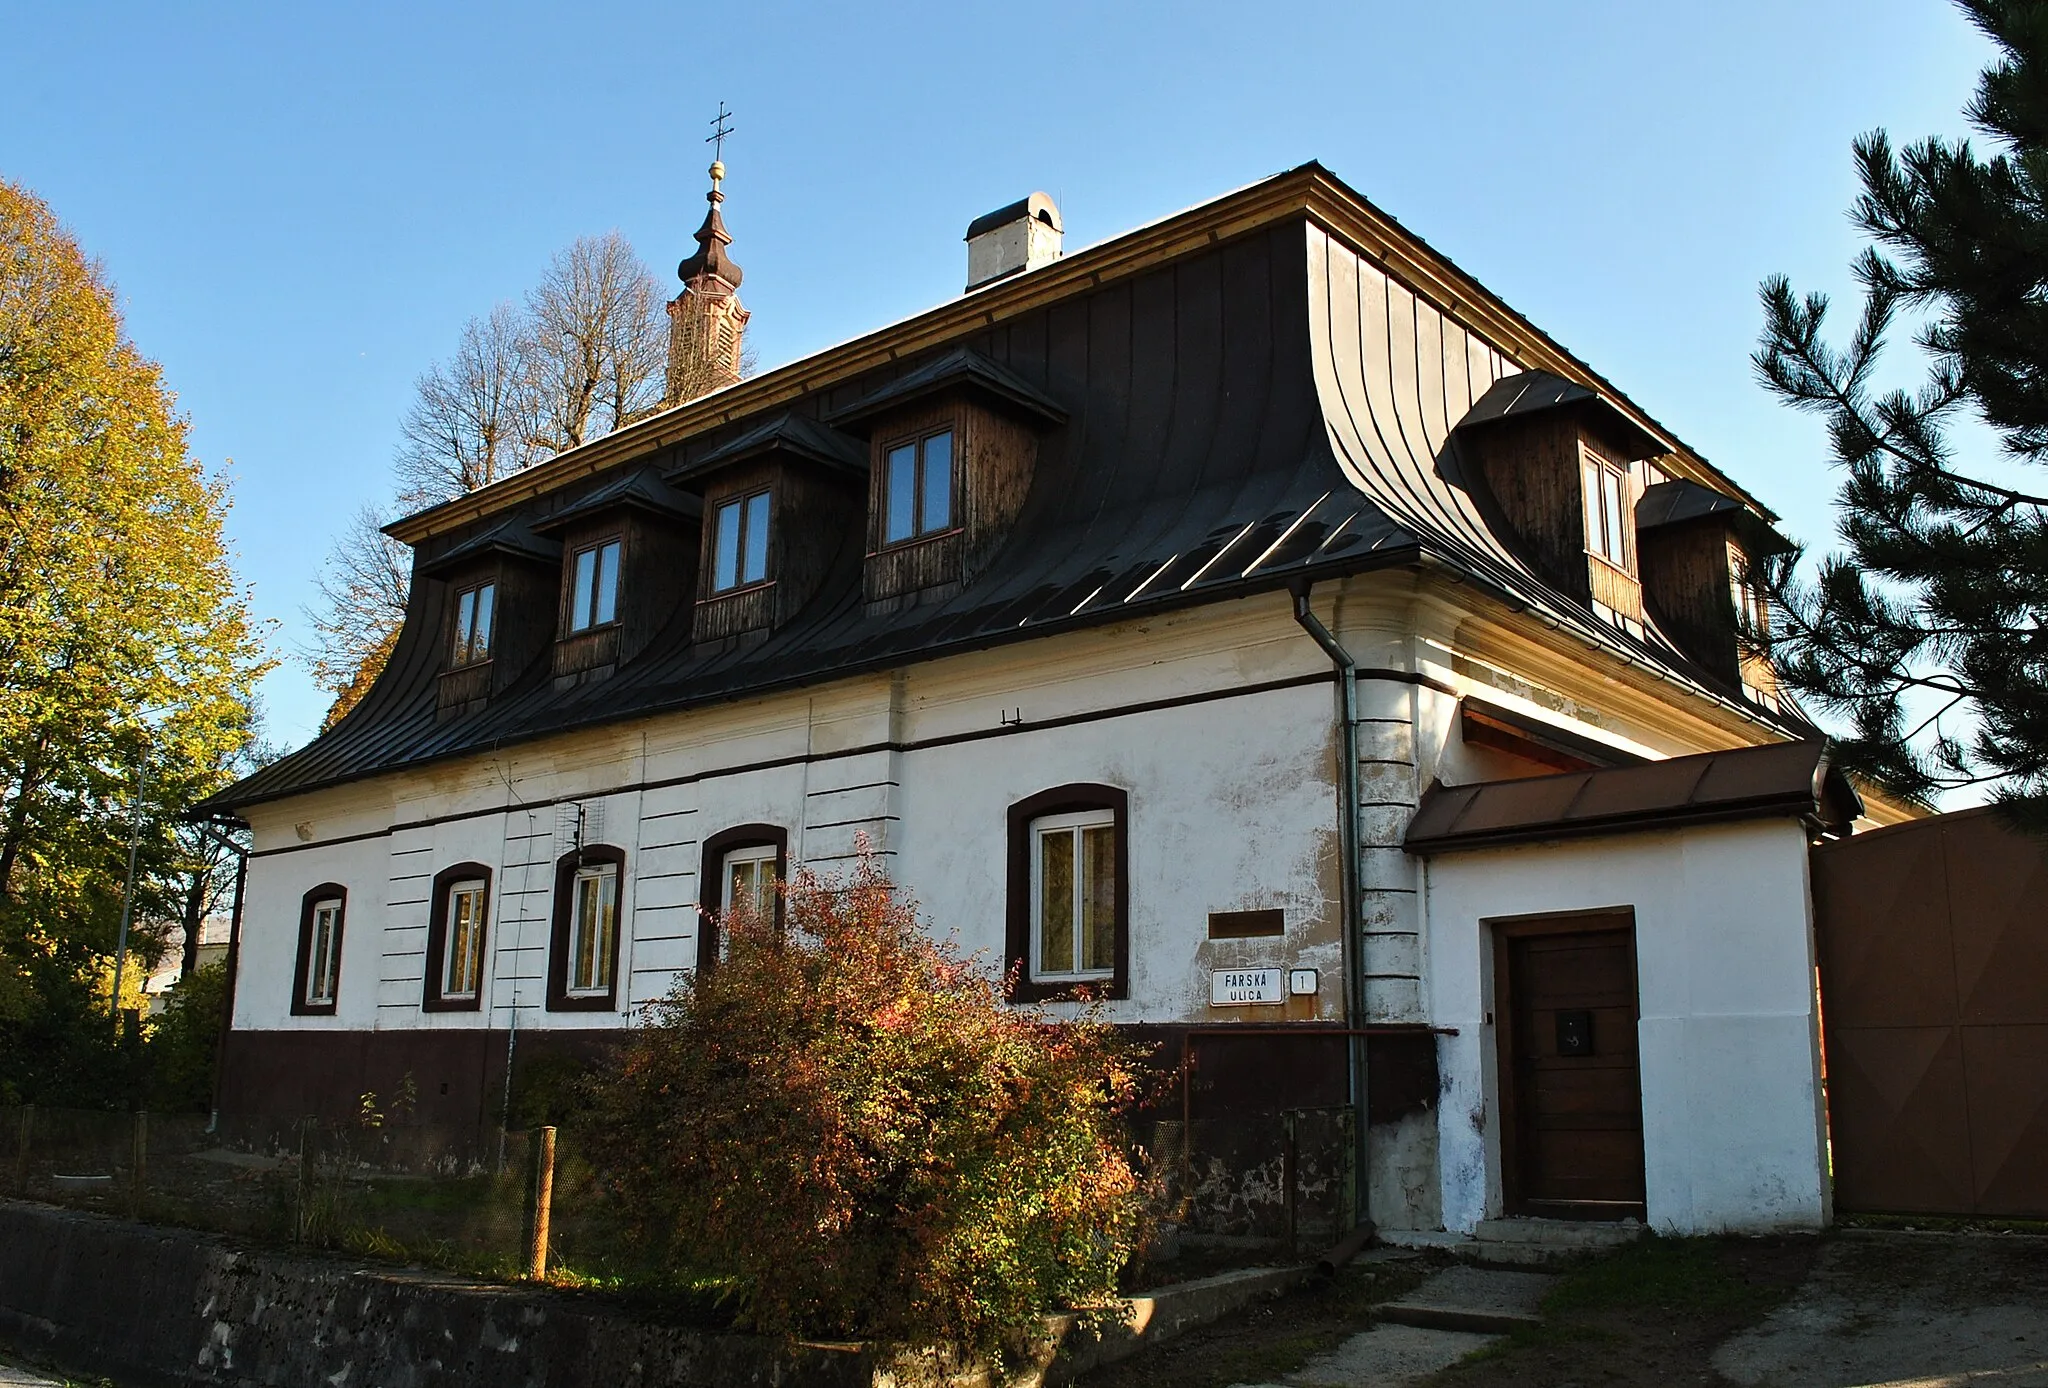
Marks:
<point>1348,895</point>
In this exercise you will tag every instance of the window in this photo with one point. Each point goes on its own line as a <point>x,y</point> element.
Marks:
<point>749,879</point>
<point>594,591</point>
<point>917,487</point>
<point>325,971</point>
<point>316,981</point>
<point>739,541</point>
<point>1073,895</point>
<point>740,867</point>
<point>473,624</point>
<point>1069,892</point>
<point>1607,491</point>
<point>456,928</point>
<point>593,926</point>
<point>583,953</point>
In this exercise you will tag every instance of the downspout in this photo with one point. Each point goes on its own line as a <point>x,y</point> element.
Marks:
<point>1348,892</point>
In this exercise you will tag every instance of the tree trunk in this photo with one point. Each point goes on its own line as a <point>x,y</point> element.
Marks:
<point>196,892</point>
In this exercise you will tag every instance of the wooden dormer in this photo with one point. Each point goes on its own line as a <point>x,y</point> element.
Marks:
<point>780,502</point>
<point>952,447</point>
<point>1562,466</point>
<point>629,559</point>
<point>1697,549</point>
<point>496,603</point>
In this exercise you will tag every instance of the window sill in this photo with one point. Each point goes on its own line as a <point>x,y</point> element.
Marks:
<point>584,1002</point>
<point>929,537</point>
<point>1099,988</point>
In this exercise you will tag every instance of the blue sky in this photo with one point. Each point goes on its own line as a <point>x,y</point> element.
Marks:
<point>301,205</point>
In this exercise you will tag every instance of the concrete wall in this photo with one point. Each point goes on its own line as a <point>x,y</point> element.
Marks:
<point>1729,1041</point>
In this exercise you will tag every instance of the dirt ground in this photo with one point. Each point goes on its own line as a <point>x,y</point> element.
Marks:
<point>1851,1310</point>
<point>1904,1309</point>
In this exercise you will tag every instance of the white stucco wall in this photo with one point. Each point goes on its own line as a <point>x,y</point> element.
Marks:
<point>1232,805</point>
<point>1729,1048</point>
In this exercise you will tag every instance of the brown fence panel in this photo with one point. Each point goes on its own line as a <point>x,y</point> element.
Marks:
<point>1933,942</point>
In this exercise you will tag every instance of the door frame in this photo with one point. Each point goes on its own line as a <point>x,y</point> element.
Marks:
<point>1505,930</point>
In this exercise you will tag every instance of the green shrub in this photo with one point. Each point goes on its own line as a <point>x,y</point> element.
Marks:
<point>846,1122</point>
<point>184,1043</point>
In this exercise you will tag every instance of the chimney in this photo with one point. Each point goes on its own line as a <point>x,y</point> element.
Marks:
<point>706,320</point>
<point>1013,239</point>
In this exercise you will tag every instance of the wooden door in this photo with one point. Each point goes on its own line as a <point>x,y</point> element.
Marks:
<point>1571,1090</point>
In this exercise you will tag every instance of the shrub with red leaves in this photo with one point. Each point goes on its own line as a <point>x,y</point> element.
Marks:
<point>847,1121</point>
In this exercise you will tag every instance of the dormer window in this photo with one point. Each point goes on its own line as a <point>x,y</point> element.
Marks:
<point>594,594</point>
<point>473,613</point>
<point>1608,506</point>
<point>917,486</point>
<point>739,543</point>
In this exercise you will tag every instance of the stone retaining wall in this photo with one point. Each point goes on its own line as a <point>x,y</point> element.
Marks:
<point>154,1308</point>
<point>168,1308</point>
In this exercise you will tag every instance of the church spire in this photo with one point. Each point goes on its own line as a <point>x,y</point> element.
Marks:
<point>712,239</point>
<point>706,321</point>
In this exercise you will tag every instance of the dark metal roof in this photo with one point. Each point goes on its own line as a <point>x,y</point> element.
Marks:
<point>1531,392</point>
<point>788,432</point>
<point>1680,502</point>
<point>1229,422</point>
<point>1784,779</point>
<point>512,537</point>
<point>963,368</point>
<point>1036,205</point>
<point>638,490</point>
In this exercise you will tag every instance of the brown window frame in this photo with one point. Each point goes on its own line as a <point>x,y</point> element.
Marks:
<point>559,999</point>
<point>569,631</point>
<point>456,633</point>
<point>302,972</point>
<point>445,882</point>
<point>741,498</point>
<point>917,438</point>
<point>1075,798</point>
<point>711,880</point>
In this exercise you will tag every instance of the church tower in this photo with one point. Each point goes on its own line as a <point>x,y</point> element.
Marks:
<point>705,321</point>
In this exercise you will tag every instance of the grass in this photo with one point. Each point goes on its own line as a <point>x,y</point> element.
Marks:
<point>1684,1276</point>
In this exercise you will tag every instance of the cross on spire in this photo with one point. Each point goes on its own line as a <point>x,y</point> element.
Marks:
<point>720,128</point>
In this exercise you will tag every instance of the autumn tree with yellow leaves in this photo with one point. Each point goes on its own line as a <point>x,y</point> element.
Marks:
<point>128,657</point>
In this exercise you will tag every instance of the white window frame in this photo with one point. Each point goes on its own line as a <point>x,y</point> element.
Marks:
<point>600,984</point>
<point>1067,824</point>
<point>323,953</point>
<point>760,855</point>
<point>469,887</point>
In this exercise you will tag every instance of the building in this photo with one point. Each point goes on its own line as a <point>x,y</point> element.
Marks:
<point>1191,616</point>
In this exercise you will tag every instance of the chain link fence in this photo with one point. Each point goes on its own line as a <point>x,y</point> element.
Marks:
<point>462,1198</point>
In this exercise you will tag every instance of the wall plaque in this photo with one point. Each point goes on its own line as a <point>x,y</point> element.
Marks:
<point>1243,987</point>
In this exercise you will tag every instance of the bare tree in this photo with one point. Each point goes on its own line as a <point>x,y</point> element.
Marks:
<point>583,356</point>
<point>363,593</point>
<point>597,343</point>
<point>472,421</point>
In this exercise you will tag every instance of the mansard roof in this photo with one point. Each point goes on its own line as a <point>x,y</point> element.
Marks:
<point>1260,393</point>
